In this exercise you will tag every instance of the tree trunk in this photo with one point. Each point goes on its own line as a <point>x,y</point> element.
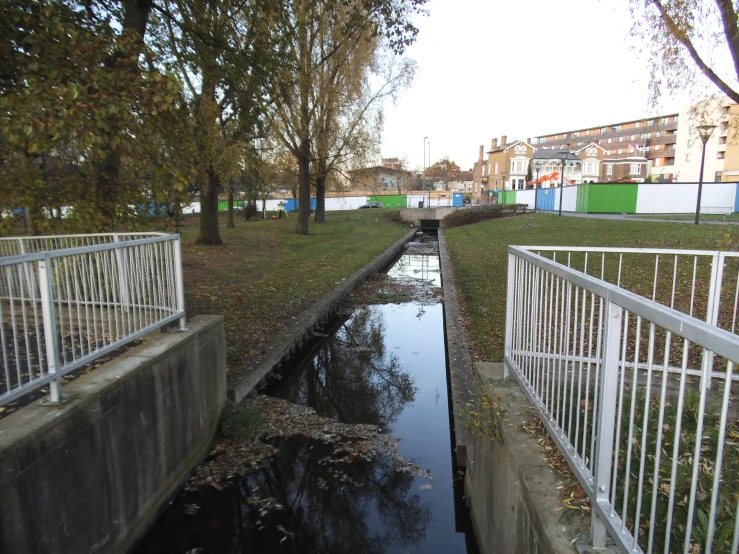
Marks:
<point>304,187</point>
<point>209,231</point>
<point>230,213</point>
<point>320,216</point>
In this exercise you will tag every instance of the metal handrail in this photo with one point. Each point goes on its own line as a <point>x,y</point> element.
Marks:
<point>62,309</point>
<point>578,346</point>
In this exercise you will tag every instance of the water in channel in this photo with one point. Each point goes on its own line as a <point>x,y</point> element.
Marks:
<point>385,365</point>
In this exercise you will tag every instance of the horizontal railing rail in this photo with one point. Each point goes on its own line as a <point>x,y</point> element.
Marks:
<point>16,246</point>
<point>62,309</point>
<point>622,383</point>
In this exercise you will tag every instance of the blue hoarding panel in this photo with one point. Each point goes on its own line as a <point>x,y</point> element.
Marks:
<point>457,199</point>
<point>545,199</point>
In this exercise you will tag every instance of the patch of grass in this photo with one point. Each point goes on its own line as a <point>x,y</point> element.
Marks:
<point>483,212</point>
<point>265,274</point>
<point>479,254</point>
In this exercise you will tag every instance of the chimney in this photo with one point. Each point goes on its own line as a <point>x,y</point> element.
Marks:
<point>528,140</point>
<point>503,141</point>
<point>494,144</point>
<point>481,151</point>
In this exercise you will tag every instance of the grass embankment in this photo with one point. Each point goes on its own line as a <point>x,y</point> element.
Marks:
<point>265,274</point>
<point>479,255</point>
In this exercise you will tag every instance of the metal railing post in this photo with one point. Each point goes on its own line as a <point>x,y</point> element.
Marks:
<point>509,311</point>
<point>606,421</point>
<point>179,281</point>
<point>712,310</point>
<point>120,259</point>
<point>46,288</point>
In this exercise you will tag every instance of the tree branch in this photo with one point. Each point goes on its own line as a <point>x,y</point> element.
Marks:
<point>683,39</point>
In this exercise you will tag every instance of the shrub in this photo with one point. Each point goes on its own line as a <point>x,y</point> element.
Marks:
<point>482,212</point>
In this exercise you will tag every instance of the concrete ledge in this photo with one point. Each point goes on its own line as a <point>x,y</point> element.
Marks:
<point>462,382</point>
<point>514,503</point>
<point>279,349</point>
<point>91,475</point>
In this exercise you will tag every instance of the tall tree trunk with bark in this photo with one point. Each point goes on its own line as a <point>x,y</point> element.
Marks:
<point>304,187</point>
<point>320,216</point>
<point>209,231</point>
<point>230,213</point>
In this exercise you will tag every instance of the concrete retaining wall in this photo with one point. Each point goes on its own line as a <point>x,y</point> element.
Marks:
<point>91,475</point>
<point>514,504</point>
<point>279,349</point>
<point>415,215</point>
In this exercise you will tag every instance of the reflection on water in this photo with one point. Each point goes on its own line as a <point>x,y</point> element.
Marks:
<point>417,266</point>
<point>354,378</point>
<point>317,506</point>
<point>385,365</point>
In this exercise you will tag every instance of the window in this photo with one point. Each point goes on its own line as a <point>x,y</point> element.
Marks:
<point>617,127</point>
<point>638,124</point>
<point>609,169</point>
<point>687,157</point>
<point>496,168</point>
<point>657,134</point>
<point>691,143</point>
<point>602,129</point>
<point>634,169</point>
<point>650,122</point>
<point>620,139</point>
<point>722,140</point>
<point>619,150</point>
<point>484,168</point>
<point>724,126</point>
<point>633,137</point>
<point>720,155</point>
<point>610,140</point>
<point>717,178</point>
<point>656,147</point>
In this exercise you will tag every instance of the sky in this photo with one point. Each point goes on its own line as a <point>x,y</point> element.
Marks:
<point>519,68</point>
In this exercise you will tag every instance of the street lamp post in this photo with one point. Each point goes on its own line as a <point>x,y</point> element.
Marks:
<point>423,183</point>
<point>538,165</point>
<point>503,174</point>
<point>704,131</point>
<point>562,157</point>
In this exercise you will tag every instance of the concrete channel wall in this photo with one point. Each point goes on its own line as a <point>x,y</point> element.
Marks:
<point>92,474</point>
<point>281,348</point>
<point>512,494</point>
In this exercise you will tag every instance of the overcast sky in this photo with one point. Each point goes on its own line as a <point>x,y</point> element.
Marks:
<point>522,68</point>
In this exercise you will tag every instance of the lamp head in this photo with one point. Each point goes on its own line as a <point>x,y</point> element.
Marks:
<point>705,131</point>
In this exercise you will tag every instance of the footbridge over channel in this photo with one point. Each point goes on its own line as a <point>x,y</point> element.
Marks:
<point>425,218</point>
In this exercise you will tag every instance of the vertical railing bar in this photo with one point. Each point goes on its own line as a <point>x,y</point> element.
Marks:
<point>719,457</point>
<point>596,387</point>
<point>582,361</point>
<point>586,408</point>
<point>658,446</point>
<point>67,264</point>
<point>22,290</point>
<point>35,301</point>
<point>9,277</point>
<point>527,321</point>
<point>575,329</point>
<point>692,288</point>
<point>566,355</point>
<point>645,426</point>
<point>696,459</point>
<point>674,281</point>
<point>676,445</point>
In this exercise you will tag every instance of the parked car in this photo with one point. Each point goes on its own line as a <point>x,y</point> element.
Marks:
<point>371,205</point>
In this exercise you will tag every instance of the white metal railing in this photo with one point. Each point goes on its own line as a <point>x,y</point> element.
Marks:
<point>623,383</point>
<point>61,309</point>
<point>17,246</point>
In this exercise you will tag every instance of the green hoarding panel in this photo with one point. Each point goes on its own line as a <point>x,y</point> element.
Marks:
<point>393,201</point>
<point>223,205</point>
<point>507,197</point>
<point>612,198</point>
<point>582,199</point>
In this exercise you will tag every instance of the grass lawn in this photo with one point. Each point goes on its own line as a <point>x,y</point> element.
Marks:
<point>265,274</point>
<point>479,254</point>
<point>690,217</point>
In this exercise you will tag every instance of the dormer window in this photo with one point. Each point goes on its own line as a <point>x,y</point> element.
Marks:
<point>520,150</point>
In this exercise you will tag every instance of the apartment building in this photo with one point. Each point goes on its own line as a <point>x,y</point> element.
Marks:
<point>653,139</point>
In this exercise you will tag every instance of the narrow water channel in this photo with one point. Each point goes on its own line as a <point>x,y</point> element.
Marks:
<point>384,365</point>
